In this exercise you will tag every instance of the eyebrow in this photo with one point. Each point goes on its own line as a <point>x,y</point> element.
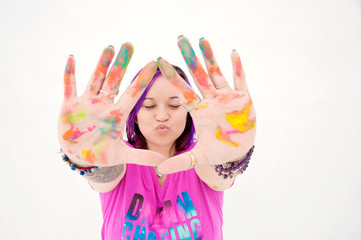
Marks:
<point>173,97</point>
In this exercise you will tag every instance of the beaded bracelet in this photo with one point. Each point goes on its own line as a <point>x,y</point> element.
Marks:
<point>80,170</point>
<point>233,169</point>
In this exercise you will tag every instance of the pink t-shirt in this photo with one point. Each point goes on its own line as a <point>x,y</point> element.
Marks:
<point>183,208</point>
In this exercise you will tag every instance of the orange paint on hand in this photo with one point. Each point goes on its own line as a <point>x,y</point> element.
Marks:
<point>69,72</point>
<point>190,96</point>
<point>142,80</point>
<point>68,135</point>
<point>239,119</point>
<point>223,137</point>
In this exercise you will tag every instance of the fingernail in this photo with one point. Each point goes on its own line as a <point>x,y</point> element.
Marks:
<point>180,36</point>
<point>159,59</point>
<point>111,46</point>
<point>201,39</point>
<point>71,55</point>
<point>234,50</point>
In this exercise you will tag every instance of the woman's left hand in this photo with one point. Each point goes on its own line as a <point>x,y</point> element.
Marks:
<point>225,119</point>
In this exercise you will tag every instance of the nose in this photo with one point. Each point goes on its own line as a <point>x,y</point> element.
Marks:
<point>161,115</point>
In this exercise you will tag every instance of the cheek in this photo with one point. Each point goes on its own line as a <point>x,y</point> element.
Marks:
<point>182,120</point>
<point>143,121</point>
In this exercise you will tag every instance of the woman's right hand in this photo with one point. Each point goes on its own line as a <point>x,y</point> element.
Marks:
<point>91,126</point>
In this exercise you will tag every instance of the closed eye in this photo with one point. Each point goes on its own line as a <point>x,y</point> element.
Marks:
<point>174,106</point>
<point>148,107</point>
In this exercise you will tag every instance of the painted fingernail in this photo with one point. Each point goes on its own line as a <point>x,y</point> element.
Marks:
<point>71,55</point>
<point>180,36</point>
<point>234,50</point>
<point>201,39</point>
<point>159,59</point>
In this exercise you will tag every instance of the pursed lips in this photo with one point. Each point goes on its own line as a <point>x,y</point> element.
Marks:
<point>162,126</point>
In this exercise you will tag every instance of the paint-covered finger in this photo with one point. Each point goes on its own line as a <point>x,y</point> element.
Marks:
<point>100,71</point>
<point>137,87</point>
<point>112,82</point>
<point>69,79</point>
<point>189,98</point>
<point>212,66</point>
<point>199,75</point>
<point>238,72</point>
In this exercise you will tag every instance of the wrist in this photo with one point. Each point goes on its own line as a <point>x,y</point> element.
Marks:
<point>79,168</point>
<point>233,168</point>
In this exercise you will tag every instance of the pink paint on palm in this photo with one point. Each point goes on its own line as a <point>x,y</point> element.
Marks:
<point>96,100</point>
<point>228,97</point>
<point>224,137</point>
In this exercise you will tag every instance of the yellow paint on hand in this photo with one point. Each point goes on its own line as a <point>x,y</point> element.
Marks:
<point>239,119</point>
<point>88,155</point>
<point>202,106</point>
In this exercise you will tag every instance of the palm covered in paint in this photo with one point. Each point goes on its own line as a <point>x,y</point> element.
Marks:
<point>224,119</point>
<point>90,127</point>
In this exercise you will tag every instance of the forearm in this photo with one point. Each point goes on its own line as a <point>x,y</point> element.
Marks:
<point>220,177</point>
<point>212,179</point>
<point>106,178</point>
<point>102,179</point>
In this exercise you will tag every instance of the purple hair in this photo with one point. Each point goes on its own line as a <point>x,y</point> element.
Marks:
<point>136,138</point>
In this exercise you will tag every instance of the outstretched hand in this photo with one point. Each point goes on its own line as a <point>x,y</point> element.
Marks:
<point>90,127</point>
<point>225,119</point>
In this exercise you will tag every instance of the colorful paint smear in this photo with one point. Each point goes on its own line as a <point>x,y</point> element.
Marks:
<point>143,78</point>
<point>208,54</point>
<point>202,106</point>
<point>88,156</point>
<point>224,137</point>
<point>120,65</point>
<point>188,93</point>
<point>239,119</point>
<point>101,69</point>
<point>237,64</point>
<point>72,117</point>
<point>193,63</point>
<point>69,73</point>
<point>72,134</point>
<point>95,100</point>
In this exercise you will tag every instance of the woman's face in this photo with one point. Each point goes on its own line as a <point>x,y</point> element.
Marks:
<point>161,119</point>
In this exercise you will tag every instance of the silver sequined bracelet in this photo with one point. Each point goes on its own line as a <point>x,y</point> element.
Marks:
<point>233,169</point>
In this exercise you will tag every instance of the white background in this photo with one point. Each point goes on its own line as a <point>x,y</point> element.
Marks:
<point>303,66</point>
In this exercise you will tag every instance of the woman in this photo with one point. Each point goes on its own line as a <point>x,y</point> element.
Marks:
<point>139,201</point>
